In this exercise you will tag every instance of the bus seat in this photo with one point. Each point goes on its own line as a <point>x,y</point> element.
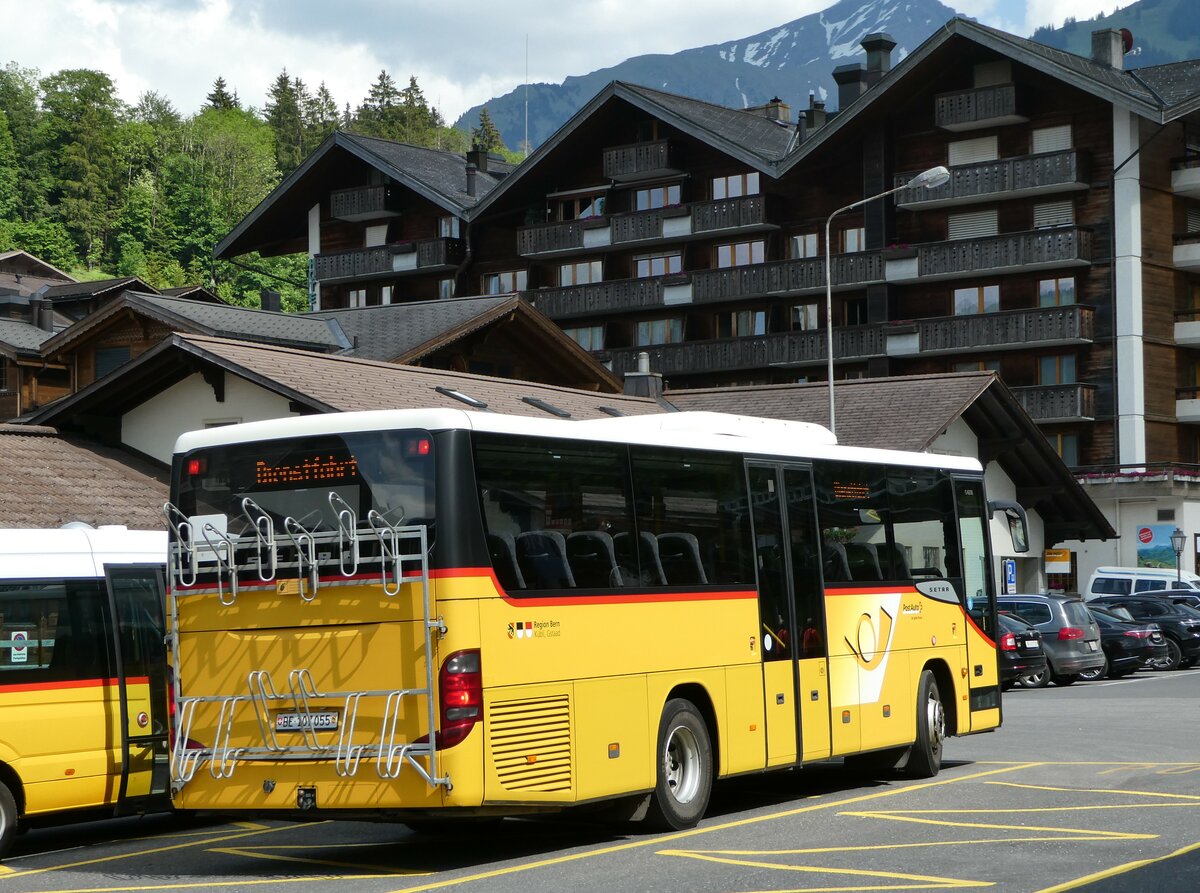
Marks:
<point>645,567</point>
<point>503,550</point>
<point>680,556</point>
<point>542,558</point>
<point>837,569</point>
<point>592,558</point>
<point>862,561</point>
<point>900,569</point>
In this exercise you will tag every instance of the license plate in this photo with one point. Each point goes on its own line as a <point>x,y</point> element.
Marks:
<point>320,721</point>
<point>1091,646</point>
<point>1032,643</point>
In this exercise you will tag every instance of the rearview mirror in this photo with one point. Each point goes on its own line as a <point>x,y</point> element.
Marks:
<point>1018,523</point>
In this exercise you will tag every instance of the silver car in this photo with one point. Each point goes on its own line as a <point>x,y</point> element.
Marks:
<point>1070,635</point>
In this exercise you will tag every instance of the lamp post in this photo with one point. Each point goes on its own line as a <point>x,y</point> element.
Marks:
<point>1178,538</point>
<point>929,179</point>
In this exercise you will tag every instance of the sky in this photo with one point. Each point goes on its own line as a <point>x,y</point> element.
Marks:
<point>462,53</point>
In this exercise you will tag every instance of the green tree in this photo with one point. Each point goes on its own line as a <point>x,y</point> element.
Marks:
<point>486,136</point>
<point>320,117</point>
<point>8,172</point>
<point>283,115</point>
<point>19,100</point>
<point>220,98</point>
<point>47,239</point>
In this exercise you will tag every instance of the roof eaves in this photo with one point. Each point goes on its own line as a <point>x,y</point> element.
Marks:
<point>436,196</point>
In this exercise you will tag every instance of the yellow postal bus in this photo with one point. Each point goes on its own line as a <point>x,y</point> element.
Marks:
<point>83,676</point>
<point>440,613</point>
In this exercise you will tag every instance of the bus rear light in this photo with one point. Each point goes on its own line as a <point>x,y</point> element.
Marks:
<point>1008,642</point>
<point>418,446</point>
<point>196,467</point>
<point>460,696</point>
<point>1070,632</point>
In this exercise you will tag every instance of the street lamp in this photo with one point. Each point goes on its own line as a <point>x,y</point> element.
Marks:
<point>929,179</point>
<point>1178,538</point>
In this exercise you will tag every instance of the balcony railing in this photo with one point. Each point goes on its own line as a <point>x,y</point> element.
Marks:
<point>638,160</point>
<point>753,352</point>
<point>981,107</point>
<point>1058,402</point>
<point>405,257</point>
<point>1001,179</point>
<point>364,203</point>
<point>546,238</point>
<point>598,297</point>
<point>1062,246</point>
<point>786,277</point>
<point>1044,326</point>
<point>730,213</point>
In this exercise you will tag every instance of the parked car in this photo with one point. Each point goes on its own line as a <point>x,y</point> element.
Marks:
<point>1021,652</point>
<point>1128,644</point>
<point>1178,596</point>
<point>1130,580</point>
<point>1070,637</point>
<point>1180,625</point>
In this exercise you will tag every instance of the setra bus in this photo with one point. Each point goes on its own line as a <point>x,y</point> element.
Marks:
<point>429,614</point>
<point>83,675</point>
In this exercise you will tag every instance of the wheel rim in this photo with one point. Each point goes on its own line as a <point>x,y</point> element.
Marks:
<point>935,715</point>
<point>1174,655</point>
<point>1036,680</point>
<point>681,764</point>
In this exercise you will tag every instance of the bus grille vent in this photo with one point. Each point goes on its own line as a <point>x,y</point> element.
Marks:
<point>531,743</point>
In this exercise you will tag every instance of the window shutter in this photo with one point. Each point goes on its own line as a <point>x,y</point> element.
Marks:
<point>109,358</point>
<point>1053,214</point>
<point>992,74</point>
<point>975,225</point>
<point>1193,219</point>
<point>985,148</point>
<point>1051,139</point>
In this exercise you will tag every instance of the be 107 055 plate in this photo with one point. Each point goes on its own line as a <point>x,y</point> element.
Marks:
<point>317,721</point>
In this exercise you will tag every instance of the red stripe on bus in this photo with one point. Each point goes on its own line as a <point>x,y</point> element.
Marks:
<point>874,590</point>
<point>71,683</point>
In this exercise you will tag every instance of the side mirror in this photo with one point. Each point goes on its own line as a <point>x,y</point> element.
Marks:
<point>1018,523</point>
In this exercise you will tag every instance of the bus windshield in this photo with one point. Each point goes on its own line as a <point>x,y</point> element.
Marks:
<point>311,479</point>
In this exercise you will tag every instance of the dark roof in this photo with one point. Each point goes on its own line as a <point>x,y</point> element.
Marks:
<point>47,480</point>
<point>212,319</point>
<point>443,172</point>
<point>96,287</point>
<point>912,412</point>
<point>22,337</point>
<point>1176,83</point>
<point>194,293</point>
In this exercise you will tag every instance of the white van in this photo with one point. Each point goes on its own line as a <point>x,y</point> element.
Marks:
<point>1126,580</point>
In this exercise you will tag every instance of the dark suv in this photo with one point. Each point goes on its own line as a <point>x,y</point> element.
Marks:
<point>1070,636</point>
<point>1180,625</point>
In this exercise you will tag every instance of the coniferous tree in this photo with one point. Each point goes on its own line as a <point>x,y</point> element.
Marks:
<point>8,172</point>
<point>486,136</point>
<point>379,113</point>
<point>220,98</point>
<point>19,102</point>
<point>321,116</point>
<point>283,115</point>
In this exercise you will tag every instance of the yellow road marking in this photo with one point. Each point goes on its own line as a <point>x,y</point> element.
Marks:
<point>1118,791</point>
<point>211,885</point>
<point>251,826</point>
<point>1118,869</point>
<point>1098,834</point>
<point>258,854</point>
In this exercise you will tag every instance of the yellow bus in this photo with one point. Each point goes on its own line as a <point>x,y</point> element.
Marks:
<point>83,675</point>
<point>432,614</point>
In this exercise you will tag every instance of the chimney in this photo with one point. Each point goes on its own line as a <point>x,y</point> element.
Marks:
<point>1108,47</point>
<point>852,83</point>
<point>644,383</point>
<point>775,109</point>
<point>269,300</point>
<point>42,313</point>
<point>879,48</point>
<point>478,157</point>
<point>814,115</point>
<point>471,168</point>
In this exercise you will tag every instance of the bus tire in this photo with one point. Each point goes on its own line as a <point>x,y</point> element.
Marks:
<point>684,768</point>
<point>8,819</point>
<point>925,757</point>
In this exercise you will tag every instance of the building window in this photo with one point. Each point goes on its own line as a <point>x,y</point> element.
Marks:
<point>1056,369</point>
<point>853,239</point>
<point>973,151</point>
<point>587,337</point>
<point>1056,292</point>
<point>806,317</point>
<point>1066,445</point>
<point>385,294</point>
<point>972,225</point>
<point>109,358</point>
<point>735,185</point>
<point>741,323</point>
<point>448,227</point>
<point>656,197</point>
<point>739,254</point>
<point>976,299</point>
<point>932,556</point>
<point>854,311</point>
<point>976,366</point>
<point>580,273</point>
<point>1050,139</point>
<point>660,331</point>
<point>580,207</point>
<point>3,376</point>
<point>805,245</point>
<point>503,283</point>
<point>1050,214</point>
<point>445,288</point>
<point>658,264</point>
<point>356,297</point>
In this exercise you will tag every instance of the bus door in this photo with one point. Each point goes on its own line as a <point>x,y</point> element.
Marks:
<point>136,597</point>
<point>791,607</point>
<point>978,595</point>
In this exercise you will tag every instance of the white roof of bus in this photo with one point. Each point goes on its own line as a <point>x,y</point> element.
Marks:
<point>32,554</point>
<point>697,430</point>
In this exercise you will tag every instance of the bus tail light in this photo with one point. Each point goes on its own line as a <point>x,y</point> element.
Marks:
<point>1070,632</point>
<point>1008,642</point>
<point>460,696</point>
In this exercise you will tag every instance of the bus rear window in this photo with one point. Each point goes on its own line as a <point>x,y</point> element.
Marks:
<point>311,480</point>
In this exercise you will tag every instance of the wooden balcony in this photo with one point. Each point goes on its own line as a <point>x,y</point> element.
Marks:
<point>1006,330</point>
<point>1186,252</point>
<point>786,277</point>
<point>1042,249</point>
<point>364,203</point>
<point>1007,178</point>
<point>598,298</point>
<point>639,160</point>
<point>553,238</point>
<point>759,352</point>
<point>427,256</point>
<point>1185,176</point>
<point>981,107</point>
<point>1058,402</point>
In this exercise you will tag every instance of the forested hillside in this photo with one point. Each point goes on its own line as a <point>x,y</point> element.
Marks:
<point>103,189</point>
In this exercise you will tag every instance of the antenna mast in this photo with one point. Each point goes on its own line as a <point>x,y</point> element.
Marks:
<point>525,148</point>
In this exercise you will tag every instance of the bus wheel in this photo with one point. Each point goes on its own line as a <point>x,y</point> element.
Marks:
<point>685,768</point>
<point>8,819</point>
<point>925,758</point>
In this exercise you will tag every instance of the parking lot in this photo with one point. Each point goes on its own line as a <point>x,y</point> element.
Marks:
<point>1094,787</point>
